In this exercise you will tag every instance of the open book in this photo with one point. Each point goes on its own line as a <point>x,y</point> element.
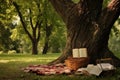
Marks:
<point>97,69</point>
<point>81,52</point>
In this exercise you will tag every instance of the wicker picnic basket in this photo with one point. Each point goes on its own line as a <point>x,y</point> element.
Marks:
<point>75,63</point>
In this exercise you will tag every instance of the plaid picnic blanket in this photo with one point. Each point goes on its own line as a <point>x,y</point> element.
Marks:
<point>47,69</point>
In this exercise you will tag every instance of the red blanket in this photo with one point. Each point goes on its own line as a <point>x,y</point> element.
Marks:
<point>48,70</point>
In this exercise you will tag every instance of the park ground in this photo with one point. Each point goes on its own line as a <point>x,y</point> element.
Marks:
<point>11,68</point>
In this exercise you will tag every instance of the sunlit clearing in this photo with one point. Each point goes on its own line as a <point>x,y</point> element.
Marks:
<point>26,60</point>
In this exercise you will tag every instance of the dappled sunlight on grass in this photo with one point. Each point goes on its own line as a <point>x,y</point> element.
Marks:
<point>25,58</point>
<point>11,65</point>
<point>5,61</point>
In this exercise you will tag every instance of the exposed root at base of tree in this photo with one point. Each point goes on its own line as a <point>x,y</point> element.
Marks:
<point>61,59</point>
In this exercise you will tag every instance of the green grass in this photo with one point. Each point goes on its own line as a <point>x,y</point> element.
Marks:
<point>11,65</point>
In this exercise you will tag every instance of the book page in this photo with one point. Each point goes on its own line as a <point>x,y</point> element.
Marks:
<point>75,53</point>
<point>106,66</point>
<point>95,70</point>
<point>83,52</point>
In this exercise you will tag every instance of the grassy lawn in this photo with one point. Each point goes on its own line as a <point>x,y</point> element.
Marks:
<point>11,65</point>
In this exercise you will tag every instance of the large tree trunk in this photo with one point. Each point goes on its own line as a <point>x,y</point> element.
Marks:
<point>88,26</point>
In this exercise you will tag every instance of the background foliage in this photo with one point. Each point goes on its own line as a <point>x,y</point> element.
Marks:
<point>13,37</point>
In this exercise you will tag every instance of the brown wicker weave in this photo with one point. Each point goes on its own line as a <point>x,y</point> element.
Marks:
<point>75,63</point>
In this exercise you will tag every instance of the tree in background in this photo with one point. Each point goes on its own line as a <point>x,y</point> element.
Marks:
<point>37,21</point>
<point>4,38</point>
<point>35,36</point>
<point>6,43</point>
<point>54,30</point>
<point>88,26</point>
<point>48,25</point>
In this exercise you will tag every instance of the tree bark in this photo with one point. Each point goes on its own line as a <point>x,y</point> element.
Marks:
<point>34,48</point>
<point>48,29</point>
<point>88,26</point>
